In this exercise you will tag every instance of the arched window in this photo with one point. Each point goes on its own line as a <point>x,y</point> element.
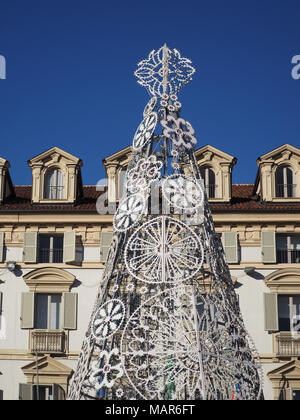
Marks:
<point>54,184</point>
<point>209,178</point>
<point>284,182</point>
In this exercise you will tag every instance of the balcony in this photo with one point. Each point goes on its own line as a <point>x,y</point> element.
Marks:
<point>288,256</point>
<point>285,190</point>
<point>288,345</point>
<point>48,341</point>
<point>51,255</point>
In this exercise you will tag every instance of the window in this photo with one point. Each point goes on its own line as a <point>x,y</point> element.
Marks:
<point>296,395</point>
<point>48,311</point>
<point>284,182</point>
<point>43,393</point>
<point>289,313</point>
<point>54,185</point>
<point>209,178</point>
<point>51,248</point>
<point>288,249</point>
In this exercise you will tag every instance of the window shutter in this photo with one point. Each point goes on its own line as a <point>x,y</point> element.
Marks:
<point>1,300</point>
<point>69,247</point>
<point>105,241</point>
<point>70,311</point>
<point>25,392</point>
<point>268,247</point>
<point>30,247</point>
<point>57,392</point>
<point>230,243</point>
<point>27,311</point>
<point>271,312</point>
<point>1,247</point>
<point>288,394</point>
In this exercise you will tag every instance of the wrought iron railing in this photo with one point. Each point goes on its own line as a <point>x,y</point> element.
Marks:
<point>288,345</point>
<point>211,190</point>
<point>288,256</point>
<point>47,341</point>
<point>48,255</point>
<point>55,192</point>
<point>285,190</point>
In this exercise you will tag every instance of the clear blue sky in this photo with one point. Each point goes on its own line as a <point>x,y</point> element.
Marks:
<point>70,80</point>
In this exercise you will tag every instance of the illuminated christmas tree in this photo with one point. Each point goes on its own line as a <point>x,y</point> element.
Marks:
<point>166,323</point>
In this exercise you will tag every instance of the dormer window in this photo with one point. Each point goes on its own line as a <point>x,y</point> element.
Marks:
<point>278,176</point>
<point>56,176</point>
<point>285,186</point>
<point>209,178</point>
<point>54,184</point>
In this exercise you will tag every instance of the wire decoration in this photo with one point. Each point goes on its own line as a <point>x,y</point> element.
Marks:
<point>166,323</point>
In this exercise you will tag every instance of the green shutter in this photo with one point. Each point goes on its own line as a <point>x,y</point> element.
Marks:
<point>30,247</point>
<point>1,247</point>
<point>27,310</point>
<point>105,241</point>
<point>268,247</point>
<point>70,311</point>
<point>230,244</point>
<point>25,392</point>
<point>69,247</point>
<point>271,312</point>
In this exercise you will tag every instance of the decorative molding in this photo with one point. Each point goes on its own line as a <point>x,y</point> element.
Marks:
<point>285,280</point>
<point>49,279</point>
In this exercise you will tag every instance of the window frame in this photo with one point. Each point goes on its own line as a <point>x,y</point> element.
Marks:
<point>288,189</point>
<point>49,312</point>
<point>290,311</point>
<point>48,187</point>
<point>206,172</point>
<point>51,237</point>
<point>289,249</point>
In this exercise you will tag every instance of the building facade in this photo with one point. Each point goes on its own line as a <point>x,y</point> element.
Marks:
<point>54,239</point>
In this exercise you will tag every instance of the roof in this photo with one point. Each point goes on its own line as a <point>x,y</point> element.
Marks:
<point>242,201</point>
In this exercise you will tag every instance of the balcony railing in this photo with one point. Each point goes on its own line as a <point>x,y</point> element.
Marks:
<point>211,190</point>
<point>48,255</point>
<point>288,256</point>
<point>288,345</point>
<point>46,341</point>
<point>54,192</point>
<point>285,190</point>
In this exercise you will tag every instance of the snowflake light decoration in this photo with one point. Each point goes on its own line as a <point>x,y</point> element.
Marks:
<point>164,71</point>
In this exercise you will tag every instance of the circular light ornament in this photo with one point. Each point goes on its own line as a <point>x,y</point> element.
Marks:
<point>183,192</point>
<point>129,212</point>
<point>145,131</point>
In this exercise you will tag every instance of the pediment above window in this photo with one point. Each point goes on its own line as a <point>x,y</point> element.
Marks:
<point>49,279</point>
<point>278,177</point>
<point>56,177</point>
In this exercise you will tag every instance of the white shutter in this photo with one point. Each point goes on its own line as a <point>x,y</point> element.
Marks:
<point>268,247</point>
<point>271,312</point>
<point>69,247</point>
<point>230,244</point>
<point>105,241</point>
<point>1,247</point>
<point>30,247</point>
<point>70,311</point>
<point>27,311</point>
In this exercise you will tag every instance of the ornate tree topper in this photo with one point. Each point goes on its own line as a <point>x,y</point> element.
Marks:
<point>164,72</point>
